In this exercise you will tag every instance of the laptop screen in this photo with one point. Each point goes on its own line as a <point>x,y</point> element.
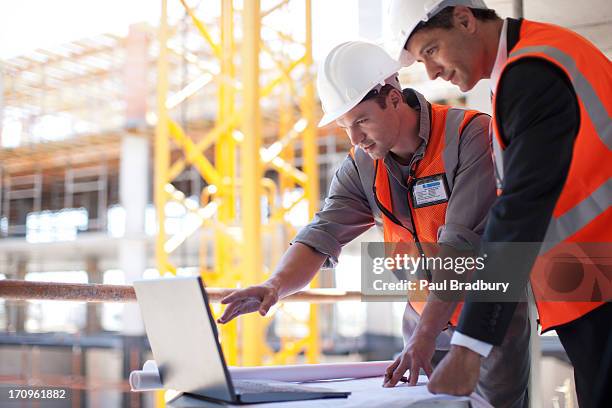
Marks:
<point>183,336</point>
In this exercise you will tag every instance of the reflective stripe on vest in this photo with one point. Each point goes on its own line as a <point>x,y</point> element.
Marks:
<point>583,212</point>
<point>441,156</point>
<point>585,92</point>
<point>498,159</point>
<point>563,227</point>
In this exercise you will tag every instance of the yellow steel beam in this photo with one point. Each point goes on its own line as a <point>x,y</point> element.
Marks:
<point>266,90</point>
<point>274,8</point>
<point>250,208</point>
<point>312,170</point>
<point>278,215</point>
<point>192,154</point>
<point>279,64</point>
<point>286,184</point>
<point>225,159</point>
<point>203,31</point>
<point>203,213</point>
<point>276,148</point>
<point>221,127</point>
<point>162,154</point>
<point>289,170</point>
<point>162,147</point>
<point>189,90</point>
<point>285,119</point>
<point>176,240</point>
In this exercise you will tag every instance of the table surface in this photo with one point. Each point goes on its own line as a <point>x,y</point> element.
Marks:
<point>365,392</point>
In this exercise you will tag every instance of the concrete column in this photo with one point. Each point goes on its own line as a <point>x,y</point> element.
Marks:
<point>133,196</point>
<point>16,311</point>
<point>93,322</point>
<point>136,78</point>
<point>134,170</point>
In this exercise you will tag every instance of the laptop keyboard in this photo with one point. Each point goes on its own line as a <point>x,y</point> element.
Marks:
<point>256,387</point>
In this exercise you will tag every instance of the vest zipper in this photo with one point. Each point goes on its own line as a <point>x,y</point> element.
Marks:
<point>417,242</point>
<point>395,220</point>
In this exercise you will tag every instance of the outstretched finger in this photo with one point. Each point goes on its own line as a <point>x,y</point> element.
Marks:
<point>230,312</point>
<point>231,317</point>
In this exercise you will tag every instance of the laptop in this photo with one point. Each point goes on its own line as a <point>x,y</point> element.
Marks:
<point>184,340</point>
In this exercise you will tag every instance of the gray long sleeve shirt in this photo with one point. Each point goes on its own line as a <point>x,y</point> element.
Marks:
<point>347,213</point>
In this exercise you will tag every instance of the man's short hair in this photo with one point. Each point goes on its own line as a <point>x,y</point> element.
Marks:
<point>379,95</point>
<point>444,19</point>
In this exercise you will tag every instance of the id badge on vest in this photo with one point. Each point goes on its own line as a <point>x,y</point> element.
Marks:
<point>429,190</point>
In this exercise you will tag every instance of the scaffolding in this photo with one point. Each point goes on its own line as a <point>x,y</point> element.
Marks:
<point>63,117</point>
<point>101,90</point>
<point>248,168</point>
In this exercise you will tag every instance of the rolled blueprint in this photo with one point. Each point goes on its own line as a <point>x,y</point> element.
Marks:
<point>148,379</point>
<point>311,372</point>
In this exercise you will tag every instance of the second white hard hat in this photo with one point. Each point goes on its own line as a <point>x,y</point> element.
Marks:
<point>405,15</point>
<point>348,73</point>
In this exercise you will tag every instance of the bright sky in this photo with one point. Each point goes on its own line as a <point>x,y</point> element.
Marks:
<point>29,24</point>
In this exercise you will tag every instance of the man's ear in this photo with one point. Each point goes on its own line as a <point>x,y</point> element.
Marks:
<point>464,19</point>
<point>395,97</point>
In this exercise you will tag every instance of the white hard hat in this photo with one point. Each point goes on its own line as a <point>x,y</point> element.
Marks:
<point>348,73</point>
<point>405,15</point>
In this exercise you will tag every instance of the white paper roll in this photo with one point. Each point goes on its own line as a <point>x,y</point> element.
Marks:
<point>148,379</point>
<point>311,372</point>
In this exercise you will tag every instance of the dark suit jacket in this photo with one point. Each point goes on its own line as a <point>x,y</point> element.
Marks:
<point>538,118</point>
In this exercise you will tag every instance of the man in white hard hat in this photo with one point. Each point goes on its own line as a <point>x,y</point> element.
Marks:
<point>552,137</point>
<point>400,141</point>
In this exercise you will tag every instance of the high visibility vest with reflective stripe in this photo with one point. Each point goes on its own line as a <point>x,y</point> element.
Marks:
<point>582,213</point>
<point>441,157</point>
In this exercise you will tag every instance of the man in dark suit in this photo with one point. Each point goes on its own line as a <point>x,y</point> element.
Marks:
<point>553,151</point>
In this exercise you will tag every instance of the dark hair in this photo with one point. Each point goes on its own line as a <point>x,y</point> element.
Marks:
<point>380,95</point>
<point>444,19</point>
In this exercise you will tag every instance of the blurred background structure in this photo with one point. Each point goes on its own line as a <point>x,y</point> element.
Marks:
<point>178,137</point>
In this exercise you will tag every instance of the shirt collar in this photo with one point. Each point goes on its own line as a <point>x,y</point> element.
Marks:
<point>418,102</point>
<point>422,107</point>
<point>424,122</point>
<point>501,58</point>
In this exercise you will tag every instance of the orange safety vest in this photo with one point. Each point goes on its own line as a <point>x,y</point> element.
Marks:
<point>447,124</point>
<point>583,213</point>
